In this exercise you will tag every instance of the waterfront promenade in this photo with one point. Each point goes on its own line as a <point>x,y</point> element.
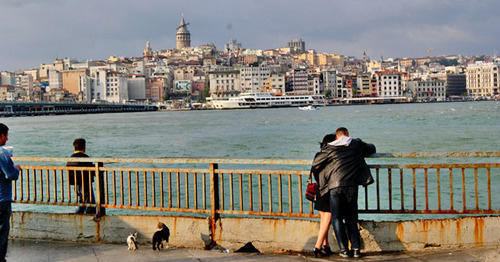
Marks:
<point>30,250</point>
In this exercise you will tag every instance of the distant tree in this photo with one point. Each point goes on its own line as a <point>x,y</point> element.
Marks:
<point>206,93</point>
<point>328,93</point>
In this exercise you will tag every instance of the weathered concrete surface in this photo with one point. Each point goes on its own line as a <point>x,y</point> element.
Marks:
<point>31,250</point>
<point>184,231</point>
<point>267,235</point>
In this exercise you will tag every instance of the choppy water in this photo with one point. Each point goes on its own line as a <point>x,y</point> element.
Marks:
<point>260,133</point>
<point>283,133</point>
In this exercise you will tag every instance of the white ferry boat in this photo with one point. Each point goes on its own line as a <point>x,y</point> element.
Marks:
<point>265,100</point>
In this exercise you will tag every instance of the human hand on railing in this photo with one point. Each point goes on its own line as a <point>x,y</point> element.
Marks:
<point>19,167</point>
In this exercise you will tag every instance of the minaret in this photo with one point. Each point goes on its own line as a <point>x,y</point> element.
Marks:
<point>183,35</point>
<point>147,54</point>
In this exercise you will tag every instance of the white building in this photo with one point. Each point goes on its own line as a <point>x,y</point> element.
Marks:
<point>482,79</point>
<point>224,82</point>
<point>25,82</point>
<point>7,78</point>
<point>389,83</point>
<point>428,90</point>
<point>329,81</point>
<point>55,80</point>
<point>252,79</point>
<point>314,83</point>
<point>136,88</point>
<point>106,85</point>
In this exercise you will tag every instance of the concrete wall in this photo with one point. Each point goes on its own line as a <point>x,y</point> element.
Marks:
<point>267,235</point>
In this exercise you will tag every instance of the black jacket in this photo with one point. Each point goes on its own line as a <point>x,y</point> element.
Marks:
<point>343,165</point>
<point>79,175</point>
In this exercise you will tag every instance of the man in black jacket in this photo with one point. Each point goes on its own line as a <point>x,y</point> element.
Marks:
<point>84,179</point>
<point>344,169</point>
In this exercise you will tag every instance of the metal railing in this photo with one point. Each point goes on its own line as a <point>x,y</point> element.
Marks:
<point>243,187</point>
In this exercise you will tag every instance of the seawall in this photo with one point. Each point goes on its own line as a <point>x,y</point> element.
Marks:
<point>267,235</point>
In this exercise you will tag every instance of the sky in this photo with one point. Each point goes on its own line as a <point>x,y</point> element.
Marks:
<point>35,32</point>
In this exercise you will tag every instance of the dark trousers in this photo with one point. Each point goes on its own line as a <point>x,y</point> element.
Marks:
<point>344,206</point>
<point>84,194</point>
<point>5,212</point>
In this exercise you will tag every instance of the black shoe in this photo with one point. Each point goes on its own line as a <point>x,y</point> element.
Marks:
<point>344,253</point>
<point>327,250</point>
<point>319,252</point>
<point>356,253</point>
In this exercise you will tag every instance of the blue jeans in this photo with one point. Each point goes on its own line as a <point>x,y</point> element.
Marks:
<point>344,206</point>
<point>5,212</point>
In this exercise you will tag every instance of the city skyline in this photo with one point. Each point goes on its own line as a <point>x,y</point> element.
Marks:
<point>35,32</point>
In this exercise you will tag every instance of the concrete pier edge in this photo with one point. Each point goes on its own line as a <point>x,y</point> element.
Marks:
<point>265,234</point>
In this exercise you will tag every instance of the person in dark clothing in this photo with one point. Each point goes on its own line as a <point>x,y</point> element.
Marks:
<point>83,180</point>
<point>322,204</point>
<point>344,169</point>
<point>8,173</point>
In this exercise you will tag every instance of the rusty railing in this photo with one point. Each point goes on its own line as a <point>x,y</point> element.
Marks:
<point>244,187</point>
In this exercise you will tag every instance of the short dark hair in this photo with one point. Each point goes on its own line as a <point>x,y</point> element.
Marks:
<point>341,131</point>
<point>4,130</point>
<point>327,139</point>
<point>79,144</point>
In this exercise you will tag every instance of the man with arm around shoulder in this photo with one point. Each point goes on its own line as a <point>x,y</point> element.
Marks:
<point>345,170</point>
<point>8,173</point>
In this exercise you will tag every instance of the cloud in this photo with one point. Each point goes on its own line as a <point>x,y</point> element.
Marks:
<point>428,34</point>
<point>35,32</point>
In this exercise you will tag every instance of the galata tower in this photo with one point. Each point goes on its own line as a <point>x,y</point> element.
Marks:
<point>183,35</point>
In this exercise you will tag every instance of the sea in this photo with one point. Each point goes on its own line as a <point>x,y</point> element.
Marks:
<point>274,133</point>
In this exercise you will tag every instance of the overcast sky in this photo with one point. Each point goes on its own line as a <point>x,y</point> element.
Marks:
<point>34,32</point>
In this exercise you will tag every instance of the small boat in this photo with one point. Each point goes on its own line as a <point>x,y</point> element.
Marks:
<point>308,108</point>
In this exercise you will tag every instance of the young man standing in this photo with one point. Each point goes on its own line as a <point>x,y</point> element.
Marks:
<point>8,173</point>
<point>346,169</point>
<point>84,179</point>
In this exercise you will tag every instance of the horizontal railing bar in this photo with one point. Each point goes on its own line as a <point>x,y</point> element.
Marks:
<point>267,214</point>
<point>154,169</point>
<point>430,211</point>
<point>262,171</point>
<point>163,209</point>
<point>268,171</point>
<point>437,154</point>
<point>451,154</point>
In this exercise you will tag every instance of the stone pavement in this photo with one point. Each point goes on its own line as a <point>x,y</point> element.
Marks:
<point>30,250</point>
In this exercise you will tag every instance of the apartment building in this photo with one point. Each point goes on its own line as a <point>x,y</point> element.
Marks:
<point>329,81</point>
<point>55,80</point>
<point>298,82</point>
<point>427,90</point>
<point>106,85</point>
<point>71,78</point>
<point>363,85</point>
<point>224,82</point>
<point>482,79</point>
<point>252,79</point>
<point>136,88</point>
<point>456,84</point>
<point>388,83</point>
<point>25,82</point>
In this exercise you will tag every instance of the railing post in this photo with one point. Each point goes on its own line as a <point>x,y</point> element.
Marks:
<point>214,201</point>
<point>100,211</point>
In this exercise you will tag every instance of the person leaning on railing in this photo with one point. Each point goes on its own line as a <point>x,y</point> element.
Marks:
<point>322,204</point>
<point>8,173</point>
<point>345,169</point>
<point>83,179</point>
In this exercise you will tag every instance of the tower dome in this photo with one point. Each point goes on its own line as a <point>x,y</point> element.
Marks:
<point>183,38</point>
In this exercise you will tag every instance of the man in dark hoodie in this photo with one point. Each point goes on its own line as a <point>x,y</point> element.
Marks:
<point>344,169</point>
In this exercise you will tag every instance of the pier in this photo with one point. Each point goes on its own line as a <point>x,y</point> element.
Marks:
<point>227,203</point>
<point>8,109</point>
